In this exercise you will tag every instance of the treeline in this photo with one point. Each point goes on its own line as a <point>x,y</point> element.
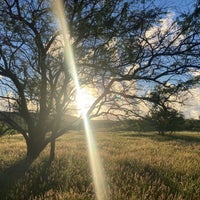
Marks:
<point>140,125</point>
<point>144,125</point>
<point>147,125</point>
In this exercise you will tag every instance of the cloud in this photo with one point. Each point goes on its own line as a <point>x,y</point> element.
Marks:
<point>167,29</point>
<point>191,109</point>
<point>6,102</point>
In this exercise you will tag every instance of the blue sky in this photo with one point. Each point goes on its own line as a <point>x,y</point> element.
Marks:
<point>177,6</point>
<point>192,109</point>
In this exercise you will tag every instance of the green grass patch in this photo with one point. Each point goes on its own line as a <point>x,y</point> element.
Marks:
<point>137,166</point>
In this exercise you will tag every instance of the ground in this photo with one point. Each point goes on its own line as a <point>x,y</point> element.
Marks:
<point>137,166</point>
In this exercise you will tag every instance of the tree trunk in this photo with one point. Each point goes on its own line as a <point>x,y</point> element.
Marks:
<point>161,132</point>
<point>35,145</point>
<point>52,150</point>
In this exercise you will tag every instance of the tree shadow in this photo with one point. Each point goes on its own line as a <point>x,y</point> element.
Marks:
<point>157,177</point>
<point>181,138</point>
<point>12,174</point>
<point>152,181</point>
<point>15,173</point>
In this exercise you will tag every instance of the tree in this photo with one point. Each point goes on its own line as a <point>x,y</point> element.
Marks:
<point>4,129</point>
<point>149,54</point>
<point>162,116</point>
<point>119,47</point>
<point>32,72</point>
<point>166,120</point>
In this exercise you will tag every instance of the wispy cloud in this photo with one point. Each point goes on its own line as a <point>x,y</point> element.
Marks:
<point>166,31</point>
<point>191,109</point>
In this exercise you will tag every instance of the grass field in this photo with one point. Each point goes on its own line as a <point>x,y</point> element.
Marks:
<point>137,166</point>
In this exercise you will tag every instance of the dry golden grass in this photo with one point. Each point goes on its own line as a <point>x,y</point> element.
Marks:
<point>137,166</point>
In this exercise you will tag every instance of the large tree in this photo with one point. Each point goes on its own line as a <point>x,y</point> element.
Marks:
<point>121,48</point>
<point>157,49</point>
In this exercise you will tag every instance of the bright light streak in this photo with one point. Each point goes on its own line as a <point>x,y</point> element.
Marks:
<point>95,163</point>
<point>84,100</point>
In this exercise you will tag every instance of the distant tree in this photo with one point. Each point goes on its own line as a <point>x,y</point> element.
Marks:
<point>192,125</point>
<point>162,116</point>
<point>122,49</point>
<point>166,120</point>
<point>3,128</point>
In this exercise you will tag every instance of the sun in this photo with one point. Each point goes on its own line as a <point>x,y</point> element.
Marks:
<point>84,99</point>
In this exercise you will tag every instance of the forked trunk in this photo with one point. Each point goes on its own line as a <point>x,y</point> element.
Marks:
<point>34,147</point>
<point>52,150</point>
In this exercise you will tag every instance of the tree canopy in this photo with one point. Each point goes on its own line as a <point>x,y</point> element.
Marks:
<point>123,49</point>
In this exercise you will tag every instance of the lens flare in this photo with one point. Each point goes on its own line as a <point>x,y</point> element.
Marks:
<point>84,100</point>
<point>95,162</point>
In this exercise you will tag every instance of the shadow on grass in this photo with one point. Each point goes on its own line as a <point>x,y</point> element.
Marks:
<point>156,182</point>
<point>159,180</point>
<point>181,138</point>
<point>12,175</point>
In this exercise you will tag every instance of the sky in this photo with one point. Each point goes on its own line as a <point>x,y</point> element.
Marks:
<point>192,107</point>
<point>177,6</point>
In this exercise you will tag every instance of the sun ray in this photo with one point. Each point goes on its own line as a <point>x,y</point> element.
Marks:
<point>84,100</point>
<point>95,162</point>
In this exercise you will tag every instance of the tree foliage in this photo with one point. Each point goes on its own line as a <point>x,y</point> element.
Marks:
<point>162,116</point>
<point>166,120</point>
